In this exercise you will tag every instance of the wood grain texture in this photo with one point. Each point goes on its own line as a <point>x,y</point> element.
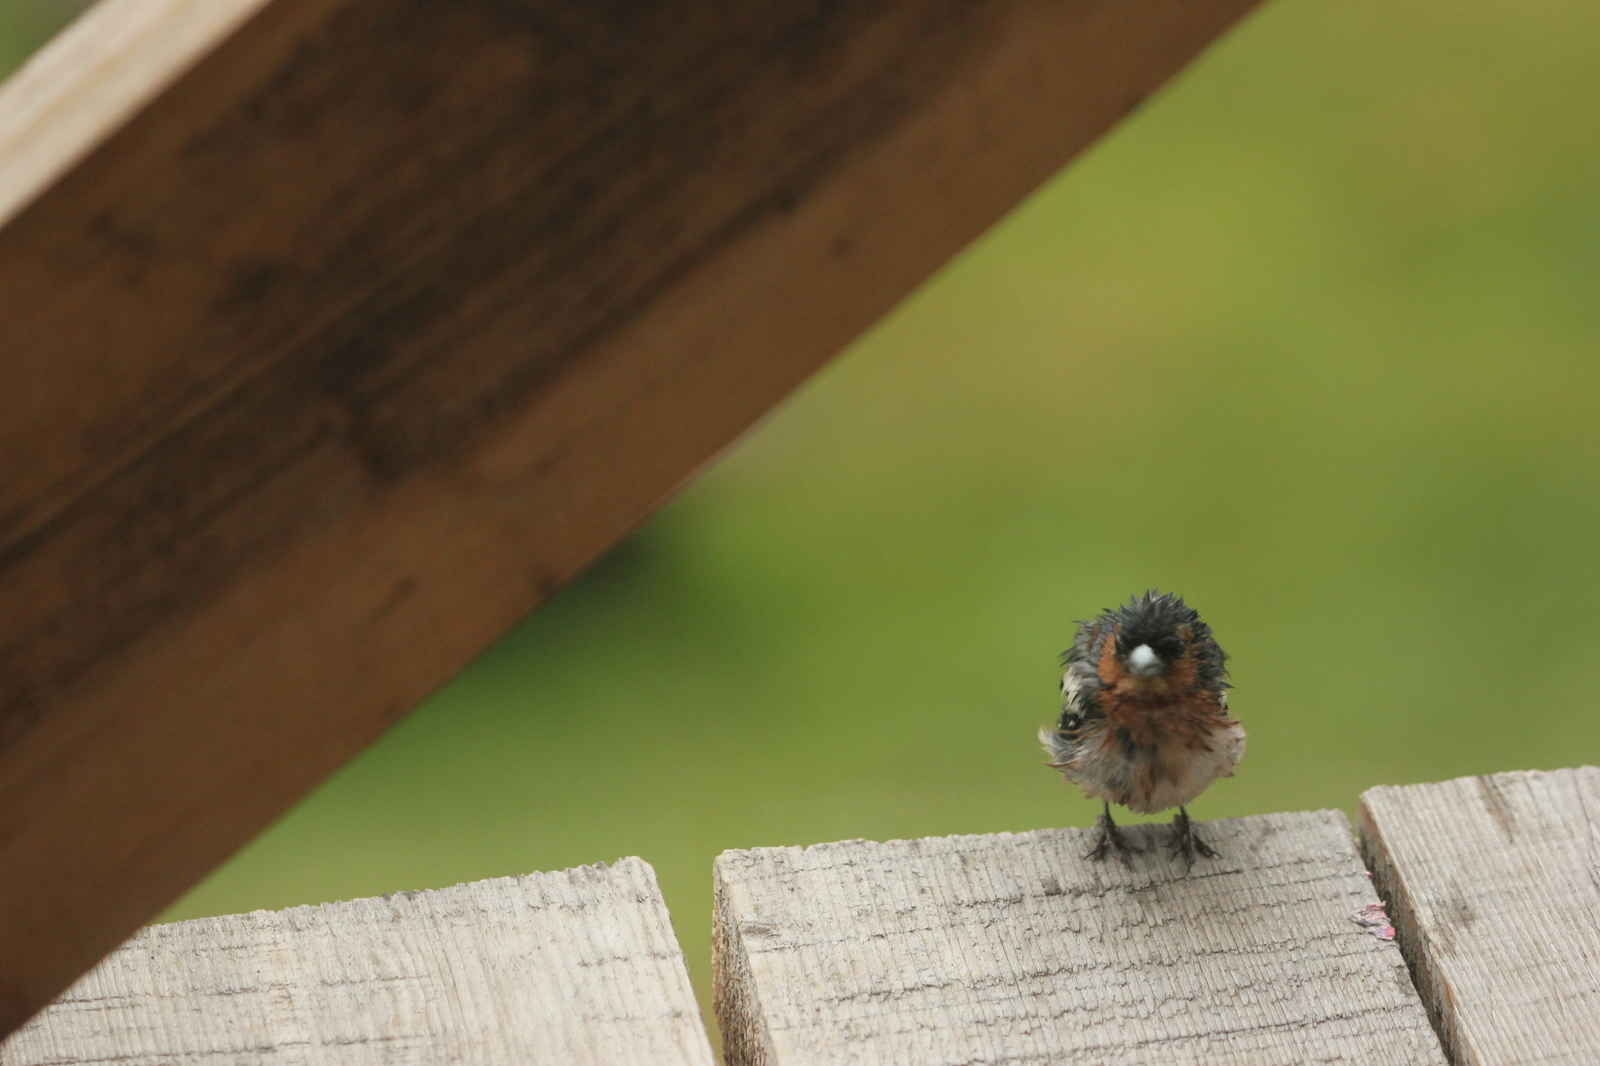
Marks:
<point>1014,949</point>
<point>1494,887</point>
<point>380,319</point>
<point>573,967</point>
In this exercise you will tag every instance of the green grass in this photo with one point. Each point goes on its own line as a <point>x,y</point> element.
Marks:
<point>1312,340</point>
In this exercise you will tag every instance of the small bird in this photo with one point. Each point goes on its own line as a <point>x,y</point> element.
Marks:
<point>1144,717</point>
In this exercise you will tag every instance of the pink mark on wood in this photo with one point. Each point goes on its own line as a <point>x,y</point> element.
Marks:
<point>1372,919</point>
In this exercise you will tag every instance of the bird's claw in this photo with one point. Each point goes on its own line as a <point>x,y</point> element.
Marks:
<point>1108,838</point>
<point>1186,842</point>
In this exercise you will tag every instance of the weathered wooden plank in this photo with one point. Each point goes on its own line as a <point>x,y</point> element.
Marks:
<point>1014,949</point>
<point>573,967</point>
<point>1494,888</point>
<point>338,333</point>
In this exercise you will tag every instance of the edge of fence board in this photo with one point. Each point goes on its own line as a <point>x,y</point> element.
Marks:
<point>381,319</point>
<point>579,966</point>
<point>1494,886</point>
<point>1014,948</point>
<point>102,68</point>
<point>1010,946</point>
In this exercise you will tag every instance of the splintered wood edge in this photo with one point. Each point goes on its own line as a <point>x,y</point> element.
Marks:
<point>1392,890</point>
<point>735,1002</point>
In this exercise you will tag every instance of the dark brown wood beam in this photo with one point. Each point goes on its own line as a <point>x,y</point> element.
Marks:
<point>336,334</point>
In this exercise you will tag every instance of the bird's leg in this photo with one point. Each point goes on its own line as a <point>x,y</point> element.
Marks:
<point>1109,838</point>
<point>1186,842</point>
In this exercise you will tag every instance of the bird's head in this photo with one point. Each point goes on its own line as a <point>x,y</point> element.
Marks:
<point>1157,641</point>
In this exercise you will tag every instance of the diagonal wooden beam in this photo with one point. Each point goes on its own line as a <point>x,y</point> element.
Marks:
<point>339,333</point>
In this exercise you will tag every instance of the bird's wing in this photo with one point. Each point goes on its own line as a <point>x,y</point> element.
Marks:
<point>1080,682</point>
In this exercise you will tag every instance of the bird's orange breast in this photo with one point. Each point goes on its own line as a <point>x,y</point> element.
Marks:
<point>1163,710</point>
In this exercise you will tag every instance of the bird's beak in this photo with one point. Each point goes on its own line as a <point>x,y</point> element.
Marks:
<point>1144,662</point>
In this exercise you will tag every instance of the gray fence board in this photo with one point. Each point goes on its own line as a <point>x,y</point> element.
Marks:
<point>1494,884</point>
<point>573,967</point>
<point>1014,949</point>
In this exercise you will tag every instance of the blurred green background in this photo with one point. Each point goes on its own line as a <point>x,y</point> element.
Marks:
<point>1311,339</point>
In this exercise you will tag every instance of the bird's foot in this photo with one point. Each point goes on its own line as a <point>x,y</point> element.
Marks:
<point>1186,842</point>
<point>1107,839</point>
